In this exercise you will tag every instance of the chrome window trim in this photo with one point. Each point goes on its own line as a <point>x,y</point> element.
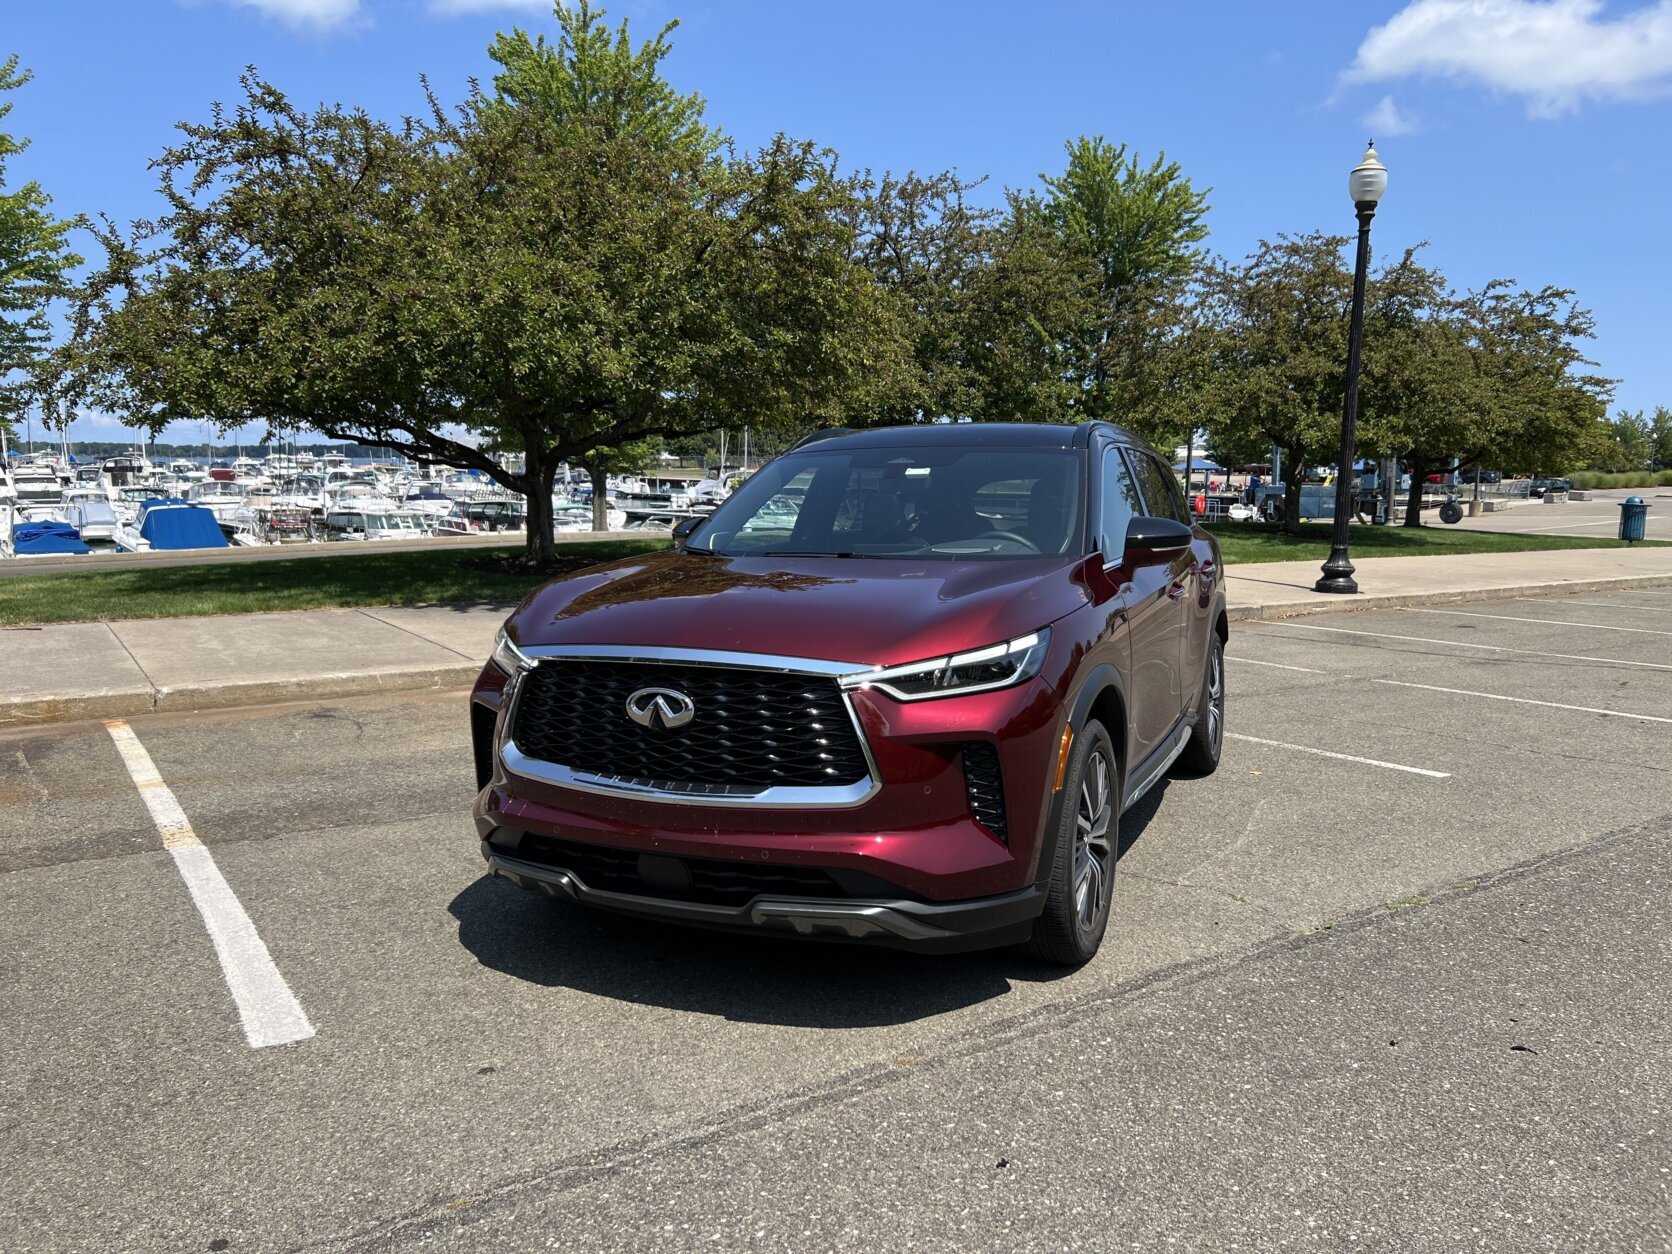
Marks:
<point>794,797</point>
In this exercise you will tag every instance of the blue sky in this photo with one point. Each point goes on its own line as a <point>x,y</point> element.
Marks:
<point>1524,138</point>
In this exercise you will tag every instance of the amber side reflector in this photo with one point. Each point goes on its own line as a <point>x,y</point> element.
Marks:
<point>1062,757</point>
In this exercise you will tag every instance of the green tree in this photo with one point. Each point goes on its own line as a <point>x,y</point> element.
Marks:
<point>1420,397</point>
<point>35,262</point>
<point>1269,341</point>
<point>1660,433</point>
<point>594,79</point>
<point>1633,441</point>
<point>602,462</point>
<point>1528,350</point>
<point>1139,226</point>
<point>490,275</point>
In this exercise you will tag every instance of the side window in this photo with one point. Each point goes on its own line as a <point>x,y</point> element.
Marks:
<point>1161,491</point>
<point>1120,503</point>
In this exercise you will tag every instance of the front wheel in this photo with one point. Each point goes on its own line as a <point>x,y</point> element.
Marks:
<point>1451,512</point>
<point>1082,881</point>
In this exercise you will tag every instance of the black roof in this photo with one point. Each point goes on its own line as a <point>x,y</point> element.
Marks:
<point>992,434</point>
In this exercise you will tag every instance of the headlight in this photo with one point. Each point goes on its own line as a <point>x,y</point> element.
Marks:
<point>507,656</point>
<point>979,670</point>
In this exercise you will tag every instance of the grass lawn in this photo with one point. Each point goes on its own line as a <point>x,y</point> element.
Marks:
<point>1245,542</point>
<point>425,577</point>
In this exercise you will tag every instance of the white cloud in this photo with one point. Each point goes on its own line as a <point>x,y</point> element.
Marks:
<point>457,8</point>
<point>1389,119</point>
<point>1556,54</point>
<point>319,14</point>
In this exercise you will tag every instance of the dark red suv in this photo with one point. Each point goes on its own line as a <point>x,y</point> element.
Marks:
<point>898,689</point>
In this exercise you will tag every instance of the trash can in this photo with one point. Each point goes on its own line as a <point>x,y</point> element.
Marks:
<point>1634,516</point>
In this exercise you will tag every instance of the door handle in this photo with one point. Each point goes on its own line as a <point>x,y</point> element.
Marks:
<point>1176,591</point>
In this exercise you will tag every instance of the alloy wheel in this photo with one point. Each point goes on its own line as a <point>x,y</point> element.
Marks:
<point>1093,851</point>
<point>1216,698</point>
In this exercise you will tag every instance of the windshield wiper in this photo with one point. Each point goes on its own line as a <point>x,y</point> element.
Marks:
<point>805,553</point>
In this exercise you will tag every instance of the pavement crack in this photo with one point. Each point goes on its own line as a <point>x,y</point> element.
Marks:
<point>143,673</point>
<point>576,1171</point>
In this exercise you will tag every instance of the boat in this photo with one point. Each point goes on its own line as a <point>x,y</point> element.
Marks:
<point>90,512</point>
<point>36,491</point>
<point>43,538</point>
<point>220,497</point>
<point>577,516</point>
<point>170,523</point>
<point>354,523</point>
<point>428,499</point>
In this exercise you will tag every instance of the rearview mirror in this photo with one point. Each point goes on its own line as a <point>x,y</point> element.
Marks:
<point>682,531</point>
<point>1156,536</point>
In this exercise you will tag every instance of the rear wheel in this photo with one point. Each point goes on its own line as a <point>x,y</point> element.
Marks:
<point>1082,880</point>
<point>1201,751</point>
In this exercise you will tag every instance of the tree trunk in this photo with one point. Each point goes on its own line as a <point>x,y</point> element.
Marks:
<point>1294,472</point>
<point>1413,500</point>
<point>600,498</point>
<point>537,474</point>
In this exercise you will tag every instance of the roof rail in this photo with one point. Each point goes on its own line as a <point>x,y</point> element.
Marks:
<point>1082,433</point>
<point>826,434</point>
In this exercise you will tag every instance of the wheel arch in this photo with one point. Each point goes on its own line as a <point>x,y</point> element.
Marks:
<point>1101,695</point>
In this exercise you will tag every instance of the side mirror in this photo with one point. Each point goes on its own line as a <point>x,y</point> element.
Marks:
<point>1156,537</point>
<point>682,530</point>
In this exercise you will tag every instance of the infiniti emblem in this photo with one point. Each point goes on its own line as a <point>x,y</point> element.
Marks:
<point>664,707</point>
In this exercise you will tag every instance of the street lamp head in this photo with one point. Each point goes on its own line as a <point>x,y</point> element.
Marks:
<point>1369,178</point>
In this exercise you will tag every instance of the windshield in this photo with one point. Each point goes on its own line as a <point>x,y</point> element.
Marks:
<point>949,501</point>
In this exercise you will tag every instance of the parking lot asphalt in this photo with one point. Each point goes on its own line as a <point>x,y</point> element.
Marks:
<point>1446,829</point>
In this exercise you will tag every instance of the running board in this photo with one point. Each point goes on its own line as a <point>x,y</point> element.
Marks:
<point>1174,746</point>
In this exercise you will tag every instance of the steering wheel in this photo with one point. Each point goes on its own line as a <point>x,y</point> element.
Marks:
<point>1012,537</point>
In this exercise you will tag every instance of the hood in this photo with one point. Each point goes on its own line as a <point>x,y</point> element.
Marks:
<point>865,611</point>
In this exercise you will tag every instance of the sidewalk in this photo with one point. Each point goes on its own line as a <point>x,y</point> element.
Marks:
<point>118,669</point>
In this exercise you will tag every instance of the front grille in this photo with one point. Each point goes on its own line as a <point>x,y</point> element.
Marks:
<point>702,880</point>
<point>985,783</point>
<point>752,729</point>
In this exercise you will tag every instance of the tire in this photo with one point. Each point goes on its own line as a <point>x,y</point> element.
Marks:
<point>1451,512</point>
<point>1082,881</point>
<point>1201,751</point>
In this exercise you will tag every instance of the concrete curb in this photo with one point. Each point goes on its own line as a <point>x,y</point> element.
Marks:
<point>1275,610</point>
<point>131,702</point>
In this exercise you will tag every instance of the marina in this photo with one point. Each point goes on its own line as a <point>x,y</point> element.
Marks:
<point>53,505</point>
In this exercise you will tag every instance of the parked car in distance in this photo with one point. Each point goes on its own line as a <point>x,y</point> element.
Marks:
<point>897,689</point>
<point>1540,486</point>
<point>1485,476</point>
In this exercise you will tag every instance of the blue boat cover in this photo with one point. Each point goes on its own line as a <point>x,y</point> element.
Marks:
<point>47,537</point>
<point>187,527</point>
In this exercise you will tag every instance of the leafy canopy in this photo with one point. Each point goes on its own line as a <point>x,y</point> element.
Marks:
<point>35,263</point>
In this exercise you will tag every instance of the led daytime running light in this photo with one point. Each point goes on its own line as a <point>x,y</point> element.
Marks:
<point>507,656</point>
<point>938,676</point>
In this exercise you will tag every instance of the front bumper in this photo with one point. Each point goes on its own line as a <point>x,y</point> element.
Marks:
<point>928,927</point>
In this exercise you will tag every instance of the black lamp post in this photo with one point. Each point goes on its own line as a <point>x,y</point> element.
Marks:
<point>1366,184</point>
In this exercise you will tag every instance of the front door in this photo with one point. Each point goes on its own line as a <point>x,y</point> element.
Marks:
<point>1160,608</point>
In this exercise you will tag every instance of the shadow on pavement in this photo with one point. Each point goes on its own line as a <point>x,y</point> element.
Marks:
<point>745,978</point>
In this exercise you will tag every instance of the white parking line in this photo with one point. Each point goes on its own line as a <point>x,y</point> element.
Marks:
<point>1549,622</point>
<point>1469,644</point>
<point>1306,670</point>
<point>1554,705</point>
<point>1598,605</point>
<point>1458,692</point>
<point>269,1010</point>
<point>1340,757</point>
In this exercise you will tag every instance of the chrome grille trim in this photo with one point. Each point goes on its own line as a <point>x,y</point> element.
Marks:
<point>836,797</point>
